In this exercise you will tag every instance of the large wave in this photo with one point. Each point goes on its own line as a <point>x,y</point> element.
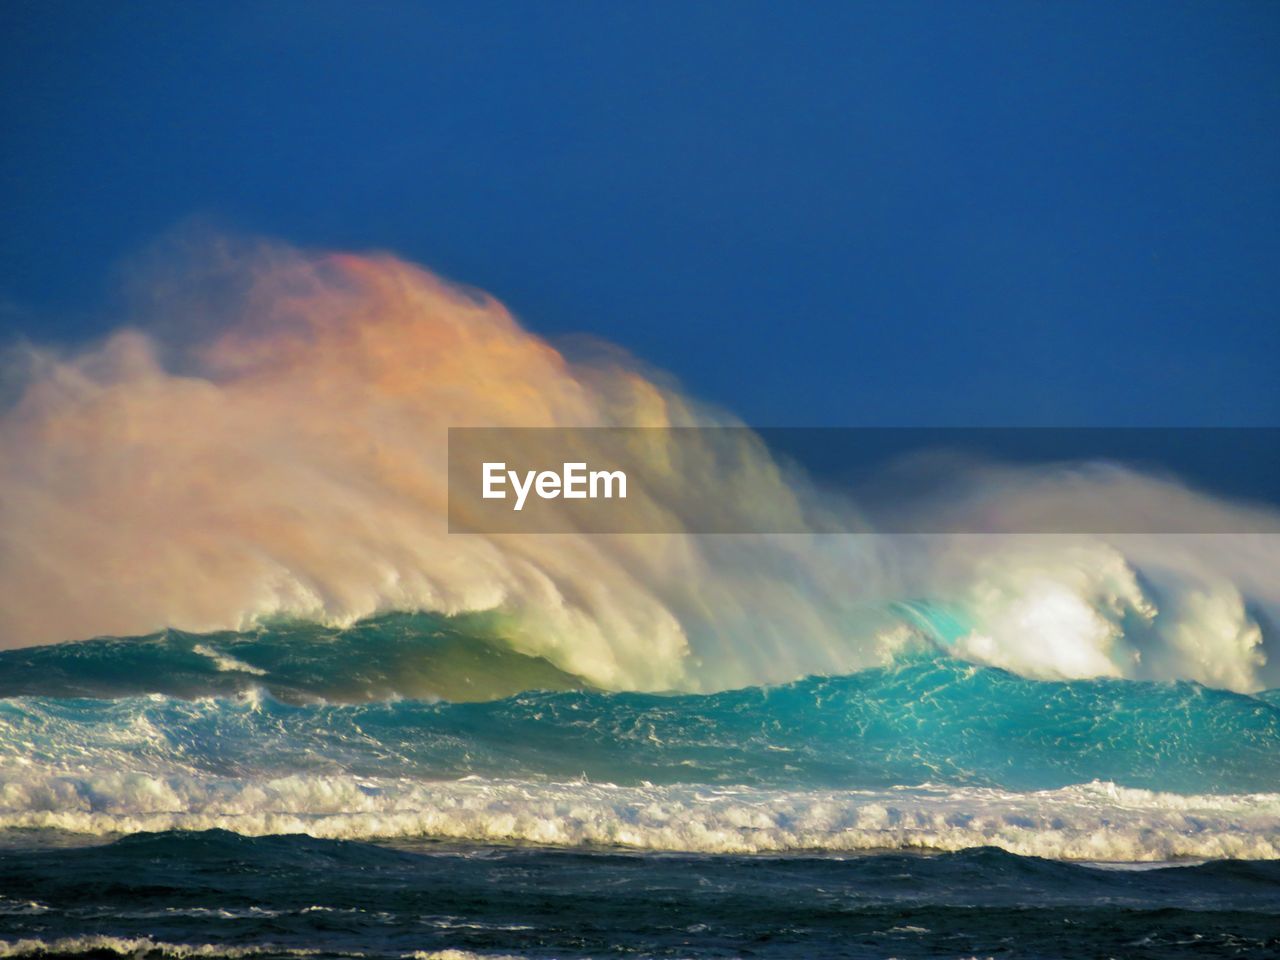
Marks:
<point>420,656</point>
<point>929,720</point>
<point>275,446</point>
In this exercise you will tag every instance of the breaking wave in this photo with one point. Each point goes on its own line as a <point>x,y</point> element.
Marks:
<point>922,720</point>
<point>1094,822</point>
<point>929,753</point>
<point>267,440</point>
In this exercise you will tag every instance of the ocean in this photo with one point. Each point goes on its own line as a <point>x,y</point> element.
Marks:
<point>411,786</point>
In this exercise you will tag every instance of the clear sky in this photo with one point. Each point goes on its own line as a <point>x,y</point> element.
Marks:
<point>852,213</point>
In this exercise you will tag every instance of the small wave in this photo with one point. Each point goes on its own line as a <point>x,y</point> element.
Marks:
<point>1090,822</point>
<point>10,907</point>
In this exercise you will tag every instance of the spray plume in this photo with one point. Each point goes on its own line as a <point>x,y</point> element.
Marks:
<point>289,460</point>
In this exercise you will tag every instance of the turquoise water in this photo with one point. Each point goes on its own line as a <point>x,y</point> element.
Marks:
<point>921,720</point>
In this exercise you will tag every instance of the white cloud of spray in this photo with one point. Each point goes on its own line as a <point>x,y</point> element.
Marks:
<point>289,459</point>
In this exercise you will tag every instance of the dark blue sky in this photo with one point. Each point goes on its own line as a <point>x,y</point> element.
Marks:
<point>891,213</point>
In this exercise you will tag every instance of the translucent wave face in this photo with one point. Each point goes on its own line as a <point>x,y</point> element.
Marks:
<point>934,721</point>
<point>285,455</point>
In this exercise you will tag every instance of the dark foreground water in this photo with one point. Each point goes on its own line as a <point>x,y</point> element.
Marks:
<point>218,893</point>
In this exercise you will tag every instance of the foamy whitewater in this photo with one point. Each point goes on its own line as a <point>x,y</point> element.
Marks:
<point>255,700</point>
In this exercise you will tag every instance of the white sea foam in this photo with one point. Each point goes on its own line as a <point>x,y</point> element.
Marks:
<point>1090,822</point>
<point>227,663</point>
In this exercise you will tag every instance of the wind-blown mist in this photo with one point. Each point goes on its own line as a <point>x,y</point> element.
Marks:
<point>290,461</point>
